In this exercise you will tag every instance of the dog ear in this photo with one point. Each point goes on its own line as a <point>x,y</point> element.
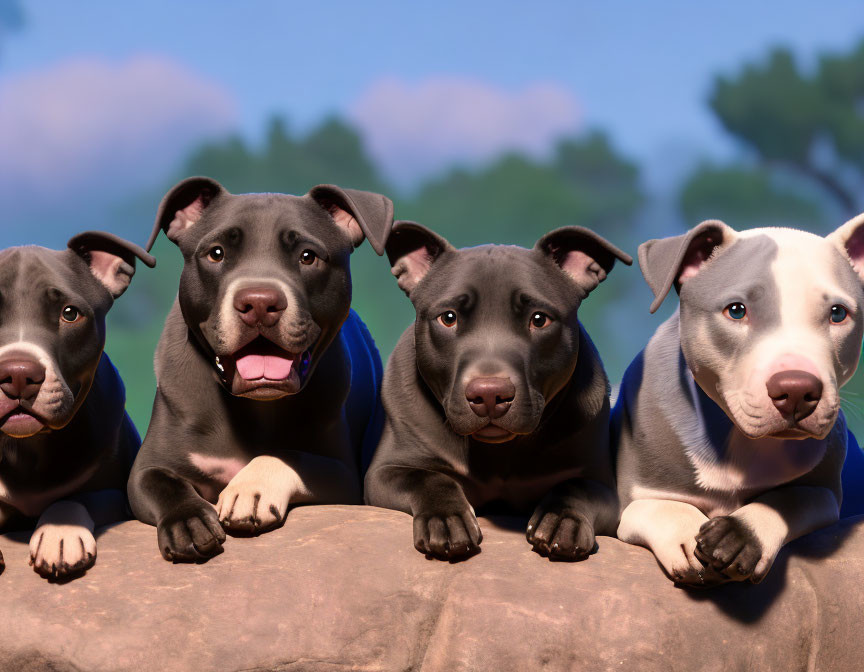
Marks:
<point>362,214</point>
<point>582,254</point>
<point>412,249</point>
<point>110,258</point>
<point>182,207</point>
<point>849,238</point>
<point>671,261</point>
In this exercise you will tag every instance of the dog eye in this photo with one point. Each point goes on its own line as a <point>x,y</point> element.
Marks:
<point>540,320</point>
<point>70,314</point>
<point>308,257</point>
<point>216,254</point>
<point>448,318</point>
<point>838,314</point>
<point>735,311</point>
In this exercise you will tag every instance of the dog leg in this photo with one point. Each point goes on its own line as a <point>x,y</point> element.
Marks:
<point>257,498</point>
<point>445,526</point>
<point>63,544</point>
<point>745,544</point>
<point>669,529</point>
<point>564,524</point>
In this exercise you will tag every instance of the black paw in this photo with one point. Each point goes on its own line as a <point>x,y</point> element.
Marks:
<point>447,536</point>
<point>190,533</point>
<point>560,534</point>
<point>729,545</point>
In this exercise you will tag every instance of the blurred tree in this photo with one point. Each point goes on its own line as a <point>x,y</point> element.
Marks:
<point>11,18</point>
<point>517,199</point>
<point>747,197</point>
<point>812,123</point>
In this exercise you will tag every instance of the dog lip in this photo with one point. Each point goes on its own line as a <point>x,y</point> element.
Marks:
<point>492,433</point>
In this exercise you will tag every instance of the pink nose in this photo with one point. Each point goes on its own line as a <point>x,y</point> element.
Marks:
<point>260,305</point>
<point>490,397</point>
<point>796,394</point>
<point>21,378</point>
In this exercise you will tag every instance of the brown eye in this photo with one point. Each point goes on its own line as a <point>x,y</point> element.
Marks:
<point>448,318</point>
<point>308,257</point>
<point>70,314</point>
<point>216,254</point>
<point>540,320</point>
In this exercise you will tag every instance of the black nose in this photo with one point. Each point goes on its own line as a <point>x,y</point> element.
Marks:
<point>260,305</point>
<point>21,378</point>
<point>795,393</point>
<point>490,397</point>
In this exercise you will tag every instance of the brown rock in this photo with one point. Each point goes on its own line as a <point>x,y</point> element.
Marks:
<point>343,588</point>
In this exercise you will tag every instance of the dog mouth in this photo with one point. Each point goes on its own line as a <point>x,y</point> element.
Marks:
<point>21,423</point>
<point>264,370</point>
<point>492,433</point>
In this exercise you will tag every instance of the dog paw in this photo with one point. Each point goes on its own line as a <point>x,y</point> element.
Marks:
<point>447,536</point>
<point>728,545</point>
<point>257,498</point>
<point>679,562</point>
<point>62,551</point>
<point>558,533</point>
<point>190,533</point>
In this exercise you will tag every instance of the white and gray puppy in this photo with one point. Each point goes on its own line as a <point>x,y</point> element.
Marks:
<point>729,435</point>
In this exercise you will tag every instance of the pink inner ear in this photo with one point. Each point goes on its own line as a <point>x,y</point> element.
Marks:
<point>855,249</point>
<point>347,221</point>
<point>186,217</point>
<point>697,254</point>
<point>582,267</point>
<point>111,271</point>
<point>411,268</point>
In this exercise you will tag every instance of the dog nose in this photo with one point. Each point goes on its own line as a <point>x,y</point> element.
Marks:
<point>490,397</point>
<point>21,378</point>
<point>260,305</point>
<point>795,393</point>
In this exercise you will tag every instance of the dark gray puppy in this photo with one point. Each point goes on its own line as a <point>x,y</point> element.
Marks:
<point>728,428</point>
<point>66,442</point>
<point>497,395</point>
<point>267,383</point>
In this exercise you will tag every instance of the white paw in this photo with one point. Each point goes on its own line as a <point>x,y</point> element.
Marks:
<point>257,498</point>
<point>58,551</point>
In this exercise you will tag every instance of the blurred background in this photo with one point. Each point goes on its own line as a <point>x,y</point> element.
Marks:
<point>487,121</point>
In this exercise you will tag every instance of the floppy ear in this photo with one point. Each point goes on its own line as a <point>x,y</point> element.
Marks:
<point>362,214</point>
<point>671,261</point>
<point>412,249</point>
<point>849,238</point>
<point>582,254</point>
<point>182,207</point>
<point>110,258</point>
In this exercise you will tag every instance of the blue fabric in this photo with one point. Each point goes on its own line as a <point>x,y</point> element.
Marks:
<point>364,410</point>
<point>853,480</point>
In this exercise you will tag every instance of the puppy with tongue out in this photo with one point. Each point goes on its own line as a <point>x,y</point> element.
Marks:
<point>260,339</point>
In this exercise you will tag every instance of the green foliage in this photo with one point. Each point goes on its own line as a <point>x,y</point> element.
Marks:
<point>795,119</point>
<point>745,198</point>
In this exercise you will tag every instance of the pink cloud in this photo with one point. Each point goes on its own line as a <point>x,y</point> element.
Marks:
<point>82,123</point>
<point>416,129</point>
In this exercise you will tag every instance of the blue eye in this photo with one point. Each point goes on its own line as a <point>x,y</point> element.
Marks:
<point>838,314</point>
<point>735,311</point>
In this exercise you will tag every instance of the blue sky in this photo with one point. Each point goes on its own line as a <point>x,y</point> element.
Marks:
<point>516,74</point>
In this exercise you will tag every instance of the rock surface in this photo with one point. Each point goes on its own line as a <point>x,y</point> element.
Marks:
<point>343,588</point>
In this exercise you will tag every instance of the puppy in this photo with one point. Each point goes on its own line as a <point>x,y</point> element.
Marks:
<point>267,383</point>
<point>497,395</point>
<point>66,442</point>
<point>728,429</point>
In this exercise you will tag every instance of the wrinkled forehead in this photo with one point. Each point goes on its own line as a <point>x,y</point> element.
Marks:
<point>263,218</point>
<point>806,268</point>
<point>789,268</point>
<point>24,270</point>
<point>493,274</point>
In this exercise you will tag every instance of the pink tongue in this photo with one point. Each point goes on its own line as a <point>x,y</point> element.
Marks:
<point>255,367</point>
